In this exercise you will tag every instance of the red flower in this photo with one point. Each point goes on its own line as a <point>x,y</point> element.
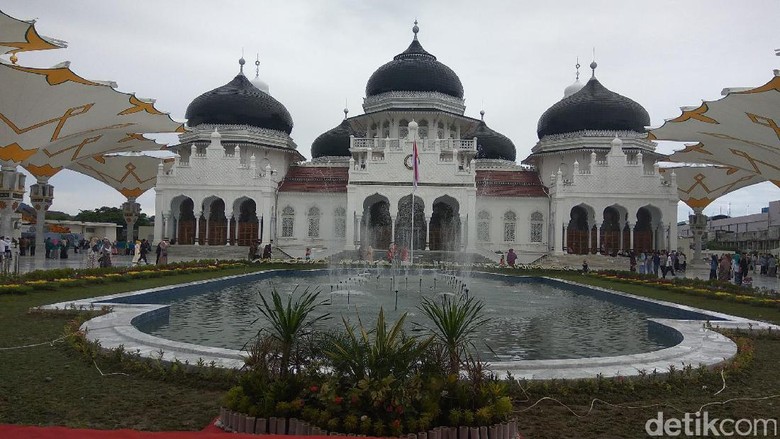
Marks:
<point>396,424</point>
<point>390,409</point>
<point>399,409</point>
<point>314,389</point>
<point>338,400</point>
<point>354,399</point>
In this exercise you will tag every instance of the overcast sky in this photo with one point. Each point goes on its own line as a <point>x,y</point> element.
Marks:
<point>513,58</point>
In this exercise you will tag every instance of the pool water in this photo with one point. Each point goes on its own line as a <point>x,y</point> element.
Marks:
<point>528,318</point>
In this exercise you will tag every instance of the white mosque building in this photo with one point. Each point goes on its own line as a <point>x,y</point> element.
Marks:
<point>590,183</point>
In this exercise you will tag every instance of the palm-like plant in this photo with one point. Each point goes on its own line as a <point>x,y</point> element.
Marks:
<point>455,323</point>
<point>289,322</point>
<point>378,353</point>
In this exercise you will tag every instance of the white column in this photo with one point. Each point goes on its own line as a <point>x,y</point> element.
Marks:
<point>622,226</point>
<point>590,237</point>
<point>598,236</point>
<point>227,236</point>
<point>631,244</point>
<point>428,233</point>
<point>565,238</point>
<point>176,224</point>
<point>350,238</point>
<point>392,228</point>
<point>358,231</point>
<point>197,227</point>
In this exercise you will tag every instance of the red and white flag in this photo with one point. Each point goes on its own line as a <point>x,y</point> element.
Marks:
<point>415,164</point>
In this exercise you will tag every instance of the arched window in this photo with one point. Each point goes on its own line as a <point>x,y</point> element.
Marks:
<point>288,220</point>
<point>510,226</point>
<point>314,222</point>
<point>537,226</point>
<point>386,129</point>
<point>483,226</point>
<point>403,129</point>
<point>340,223</point>
<point>440,130</point>
<point>422,129</point>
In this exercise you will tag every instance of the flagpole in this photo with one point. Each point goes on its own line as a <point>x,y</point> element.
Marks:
<point>415,170</point>
<point>414,188</point>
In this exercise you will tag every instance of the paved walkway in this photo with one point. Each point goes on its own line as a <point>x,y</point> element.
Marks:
<point>78,260</point>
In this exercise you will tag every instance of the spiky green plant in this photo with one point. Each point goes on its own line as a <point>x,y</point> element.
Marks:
<point>288,323</point>
<point>454,324</point>
<point>378,353</point>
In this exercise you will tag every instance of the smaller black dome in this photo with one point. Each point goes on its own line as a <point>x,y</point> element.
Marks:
<point>414,70</point>
<point>492,144</point>
<point>594,107</point>
<point>239,103</point>
<point>334,142</point>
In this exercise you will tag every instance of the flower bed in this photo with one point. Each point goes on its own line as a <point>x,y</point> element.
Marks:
<point>696,287</point>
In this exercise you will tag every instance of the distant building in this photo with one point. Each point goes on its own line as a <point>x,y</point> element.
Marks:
<point>755,232</point>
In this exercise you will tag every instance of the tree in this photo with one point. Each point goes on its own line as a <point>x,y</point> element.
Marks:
<point>107,214</point>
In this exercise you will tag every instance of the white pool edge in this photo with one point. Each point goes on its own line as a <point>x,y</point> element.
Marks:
<point>699,346</point>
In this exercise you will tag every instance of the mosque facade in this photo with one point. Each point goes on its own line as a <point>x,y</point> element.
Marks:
<point>590,183</point>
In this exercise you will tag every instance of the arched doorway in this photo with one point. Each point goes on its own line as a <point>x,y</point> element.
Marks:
<point>214,210</point>
<point>611,230</point>
<point>643,230</point>
<point>445,225</point>
<point>376,224</point>
<point>577,231</point>
<point>248,222</point>
<point>403,223</point>
<point>186,222</point>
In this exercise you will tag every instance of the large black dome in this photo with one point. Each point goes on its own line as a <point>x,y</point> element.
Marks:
<point>334,142</point>
<point>492,144</point>
<point>594,107</point>
<point>414,70</point>
<point>239,103</point>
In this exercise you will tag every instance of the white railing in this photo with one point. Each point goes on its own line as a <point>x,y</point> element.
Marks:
<point>423,144</point>
<point>464,144</point>
<point>362,143</point>
<point>601,163</point>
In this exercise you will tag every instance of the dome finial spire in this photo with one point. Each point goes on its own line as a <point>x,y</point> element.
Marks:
<point>415,29</point>
<point>577,66</point>
<point>257,66</point>
<point>346,108</point>
<point>593,64</point>
<point>241,62</point>
<point>482,115</point>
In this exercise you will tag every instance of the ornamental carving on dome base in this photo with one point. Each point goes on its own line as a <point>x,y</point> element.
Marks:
<point>238,134</point>
<point>414,99</point>
<point>595,133</point>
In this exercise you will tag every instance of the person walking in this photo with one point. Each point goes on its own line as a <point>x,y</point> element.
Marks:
<point>106,251</point>
<point>713,267</point>
<point>656,262</point>
<point>136,253</point>
<point>163,252</point>
<point>145,249</point>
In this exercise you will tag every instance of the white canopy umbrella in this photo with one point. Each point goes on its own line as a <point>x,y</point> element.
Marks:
<point>131,174</point>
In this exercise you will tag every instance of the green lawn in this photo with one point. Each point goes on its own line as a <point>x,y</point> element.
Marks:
<point>53,385</point>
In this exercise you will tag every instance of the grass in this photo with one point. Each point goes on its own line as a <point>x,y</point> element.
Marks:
<point>762,313</point>
<point>53,385</point>
<point>551,420</point>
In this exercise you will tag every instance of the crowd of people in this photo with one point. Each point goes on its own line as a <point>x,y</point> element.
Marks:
<point>254,250</point>
<point>738,266</point>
